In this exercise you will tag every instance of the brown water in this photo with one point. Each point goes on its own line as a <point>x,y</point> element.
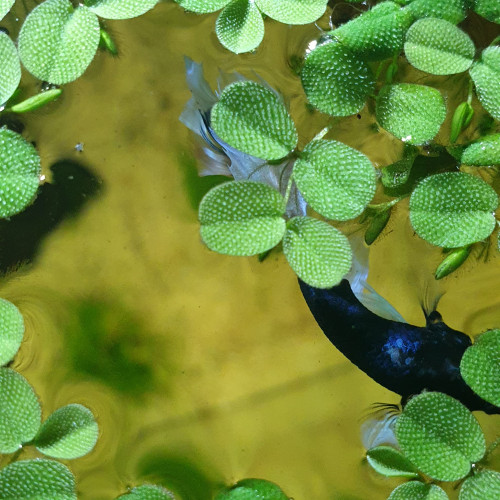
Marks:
<point>201,367</point>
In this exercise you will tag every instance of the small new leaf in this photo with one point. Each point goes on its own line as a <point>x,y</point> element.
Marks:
<point>461,120</point>
<point>36,101</point>
<point>377,225</point>
<point>390,462</point>
<point>452,262</point>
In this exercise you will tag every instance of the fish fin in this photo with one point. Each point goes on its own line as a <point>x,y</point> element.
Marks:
<point>379,429</point>
<point>429,306</point>
<point>199,87</point>
<point>357,278</point>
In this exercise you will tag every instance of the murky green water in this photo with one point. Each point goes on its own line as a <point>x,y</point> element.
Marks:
<point>202,369</point>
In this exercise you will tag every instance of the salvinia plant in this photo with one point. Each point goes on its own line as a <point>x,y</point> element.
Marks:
<point>370,63</point>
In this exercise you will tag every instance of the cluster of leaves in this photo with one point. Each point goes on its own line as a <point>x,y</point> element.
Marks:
<point>440,440</point>
<point>240,25</point>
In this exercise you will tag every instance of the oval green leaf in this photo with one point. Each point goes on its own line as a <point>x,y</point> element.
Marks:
<point>452,262</point>
<point>253,119</point>
<point>11,331</point>
<point>483,485</point>
<point>120,9</point>
<point>484,152</point>
<point>10,76</point>
<point>242,218</point>
<point>377,33</point>
<point>21,413</point>
<point>240,27</point>
<point>412,113</point>
<point>319,254</point>
<point>390,462</point>
<point>377,225</point>
<point>336,180</point>
<point>335,80</point>
<point>36,101</point>
<point>57,42</point>
<point>440,436</point>
<point>5,6</point>
<point>70,432</point>
<point>35,480</point>
<point>454,11</point>
<point>415,490</point>
<point>490,9</point>
<point>19,173</point>
<point>453,209</point>
<point>486,76</point>
<point>148,492</point>
<point>480,366</point>
<point>438,47</point>
<point>253,489</point>
<point>203,6</point>
<point>293,11</point>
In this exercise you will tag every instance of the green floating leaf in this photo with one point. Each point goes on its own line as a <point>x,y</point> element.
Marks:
<point>486,76</point>
<point>70,432</point>
<point>242,218</point>
<point>390,462</point>
<point>36,480</point>
<point>484,152</point>
<point>454,11</point>
<point>490,9</point>
<point>148,492</point>
<point>453,209</point>
<point>293,11</point>
<point>412,113</point>
<point>438,47</point>
<point>336,180</point>
<point>461,120</point>
<point>253,119</point>
<point>57,42</point>
<point>240,27</point>
<point>253,489</point>
<point>415,490</point>
<point>376,34</point>
<point>120,9</point>
<point>377,225</point>
<point>21,413</point>
<point>19,172</point>
<point>335,80</point>
<point>440,436</point>
<point>483,485</point>
<point>11,331</point>
<point>480,366</point>
<point>452,262</point>
<point>5,6</point>
<point>203,6</point>
<point>36,101</point>
<point>319,254</point>
<point>10,76</point>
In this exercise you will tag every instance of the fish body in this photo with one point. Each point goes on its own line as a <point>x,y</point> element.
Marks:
<point>404,358</point>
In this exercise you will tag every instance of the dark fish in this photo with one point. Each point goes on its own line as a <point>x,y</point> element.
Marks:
<point>405,359</point>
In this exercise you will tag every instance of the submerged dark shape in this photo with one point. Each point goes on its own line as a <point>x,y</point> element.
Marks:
<point>404,358</point>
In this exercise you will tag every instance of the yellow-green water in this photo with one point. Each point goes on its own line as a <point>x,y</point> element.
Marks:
<point>190,360</point>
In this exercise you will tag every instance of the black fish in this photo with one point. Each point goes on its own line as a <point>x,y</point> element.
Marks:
<point>405,359</point>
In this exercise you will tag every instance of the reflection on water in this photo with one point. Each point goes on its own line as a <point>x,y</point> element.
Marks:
<point>202,369</point>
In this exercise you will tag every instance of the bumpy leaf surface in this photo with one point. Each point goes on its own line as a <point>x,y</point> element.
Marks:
<point>454,11</point>
<point>293,11</point>
<point>440,436</point>
<point>453,209</point>
<point>5,6</point>
<point>148,492</point>
<point>120,9</point>
<point>415,490</point>
<point>486,76</point>
<point>490,9</point>
<point>253,489</point>
<point>486,151</point>
<point>203,6</point>
<point>10,76</point>
<point>11,331</point>
<point>483,485</point>
<point>390,462</point>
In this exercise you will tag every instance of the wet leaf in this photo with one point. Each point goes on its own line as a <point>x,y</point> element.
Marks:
<point>490,9</point>
<point>438,47</point>
<point>483,485</point>
<point>319,254</point>
<point>5,6</point>
<point>453,209</point>
<point>336,180</point>
<point>57,42</point>
<point>70,432</point>
<point>10,76</point>
<point>293,11</point>
<point>36,101</point>
<point>242,218</point>
<point>11,331</point>
<point>412,113</point>
<point>148,492</point>
<point>452,262</point>
<point>203,6</point>
<point>454,11</point>
<point>253,119</point>
<point>390,462</point>
<point>19,173</point>
<point>480,366</point>
<point>37,479</point>
<point>485,151</point>
<point>20,415</point>
<point>120,9</point>
<point>253,489</point>
<point>440,436</point>
<point>240,27</point>
<point>486,76</point>
<point>415,490</point>
<point>335,80</point>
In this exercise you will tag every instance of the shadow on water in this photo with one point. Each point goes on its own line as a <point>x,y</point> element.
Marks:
<point>72,186</point>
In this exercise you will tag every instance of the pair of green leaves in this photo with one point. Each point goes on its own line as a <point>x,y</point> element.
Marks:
<point>240,25</point>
